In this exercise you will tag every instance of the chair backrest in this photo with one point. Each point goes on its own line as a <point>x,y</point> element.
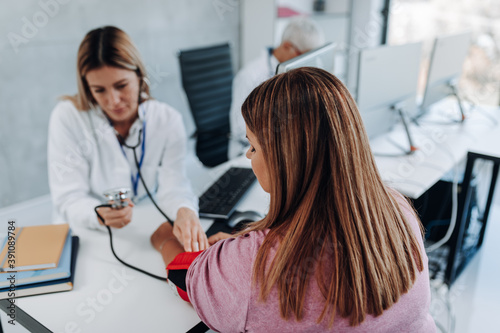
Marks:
<point>207,78</point>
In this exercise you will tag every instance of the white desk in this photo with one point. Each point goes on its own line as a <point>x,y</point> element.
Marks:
<point>441,147</point>
<point>489,144</point>
<point>109,297</point>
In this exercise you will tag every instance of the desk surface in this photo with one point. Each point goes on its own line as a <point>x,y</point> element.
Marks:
<point>110,297</point>
<point>442,145</point>
<point>488,144</point>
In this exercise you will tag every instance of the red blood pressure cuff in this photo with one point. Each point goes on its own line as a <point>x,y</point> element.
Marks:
<point>177,271</point>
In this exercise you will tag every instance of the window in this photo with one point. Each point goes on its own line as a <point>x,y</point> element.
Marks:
<point>413,21</point>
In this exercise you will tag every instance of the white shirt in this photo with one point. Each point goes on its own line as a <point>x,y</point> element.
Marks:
<point>246,80</point>
<point>85,160</point>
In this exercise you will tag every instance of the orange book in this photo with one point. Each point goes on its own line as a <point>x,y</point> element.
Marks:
<point>35,247</point>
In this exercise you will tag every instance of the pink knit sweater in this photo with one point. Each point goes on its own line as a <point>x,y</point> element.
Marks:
<point>219,287</point>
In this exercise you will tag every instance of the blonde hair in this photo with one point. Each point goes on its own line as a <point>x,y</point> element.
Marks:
<point>106,46</point>
<point>330,212</point>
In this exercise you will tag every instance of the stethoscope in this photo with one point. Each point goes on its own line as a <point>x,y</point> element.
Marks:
<point>141,141</point>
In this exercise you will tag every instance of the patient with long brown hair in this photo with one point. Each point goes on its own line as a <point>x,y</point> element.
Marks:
<point>338,251</point>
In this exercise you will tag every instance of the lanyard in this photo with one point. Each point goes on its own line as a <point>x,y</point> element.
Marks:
<point>142,142</point>
<point>135,180</point>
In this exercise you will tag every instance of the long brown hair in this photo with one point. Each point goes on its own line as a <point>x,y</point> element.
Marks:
<point>106,46</point>
<point>330,212</point>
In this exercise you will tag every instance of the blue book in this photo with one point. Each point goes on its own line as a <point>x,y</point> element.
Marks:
<point>47,286</point>
<point>63,270</point>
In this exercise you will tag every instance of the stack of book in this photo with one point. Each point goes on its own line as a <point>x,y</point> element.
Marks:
<point>38,260</point>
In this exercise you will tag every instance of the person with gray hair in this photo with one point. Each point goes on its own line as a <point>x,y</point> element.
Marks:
<point>300,36</point>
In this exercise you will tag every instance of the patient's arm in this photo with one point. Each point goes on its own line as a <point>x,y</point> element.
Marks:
<point>217,237</point>
<point>166,243</point>
<point>172,252</point>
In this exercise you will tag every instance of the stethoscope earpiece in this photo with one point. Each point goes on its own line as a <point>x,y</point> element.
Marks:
<point>144,95</point>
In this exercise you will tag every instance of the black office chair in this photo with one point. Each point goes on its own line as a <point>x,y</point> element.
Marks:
<point>207,78</point>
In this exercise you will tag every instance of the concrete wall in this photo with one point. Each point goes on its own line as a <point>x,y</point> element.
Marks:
<point>38,45</point>
<point>257,29</point>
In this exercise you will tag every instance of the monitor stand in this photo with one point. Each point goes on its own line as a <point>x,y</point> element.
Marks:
<point>454,91</point>
<point>399,109</point>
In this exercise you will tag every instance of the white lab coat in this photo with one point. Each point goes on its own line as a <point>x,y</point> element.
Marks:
<point>85,160</point>
<point>246,80</point>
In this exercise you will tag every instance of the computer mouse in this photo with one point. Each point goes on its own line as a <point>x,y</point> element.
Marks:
<point>244,217</point>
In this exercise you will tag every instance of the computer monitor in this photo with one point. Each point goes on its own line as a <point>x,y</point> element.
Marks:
<point>387,86</point>
<point>445,68</point>
<point>322,57</point>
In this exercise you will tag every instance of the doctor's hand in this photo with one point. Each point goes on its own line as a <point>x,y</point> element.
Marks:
<point>188,230</point>
<point>116,218</point>
<point>217,237</point>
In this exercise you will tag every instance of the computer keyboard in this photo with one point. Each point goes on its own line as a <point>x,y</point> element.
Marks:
<point>220,200</point>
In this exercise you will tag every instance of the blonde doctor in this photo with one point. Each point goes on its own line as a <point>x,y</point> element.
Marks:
<point>91,135</point>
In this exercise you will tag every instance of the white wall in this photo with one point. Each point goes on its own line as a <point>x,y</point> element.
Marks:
<point>366,32</point>
<point>257,28</point>
<point>36,71</point>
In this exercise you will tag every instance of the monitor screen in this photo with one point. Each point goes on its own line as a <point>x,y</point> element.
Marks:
<point>387,81</point>
<point>322,57</point>
<point>445,67</point>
